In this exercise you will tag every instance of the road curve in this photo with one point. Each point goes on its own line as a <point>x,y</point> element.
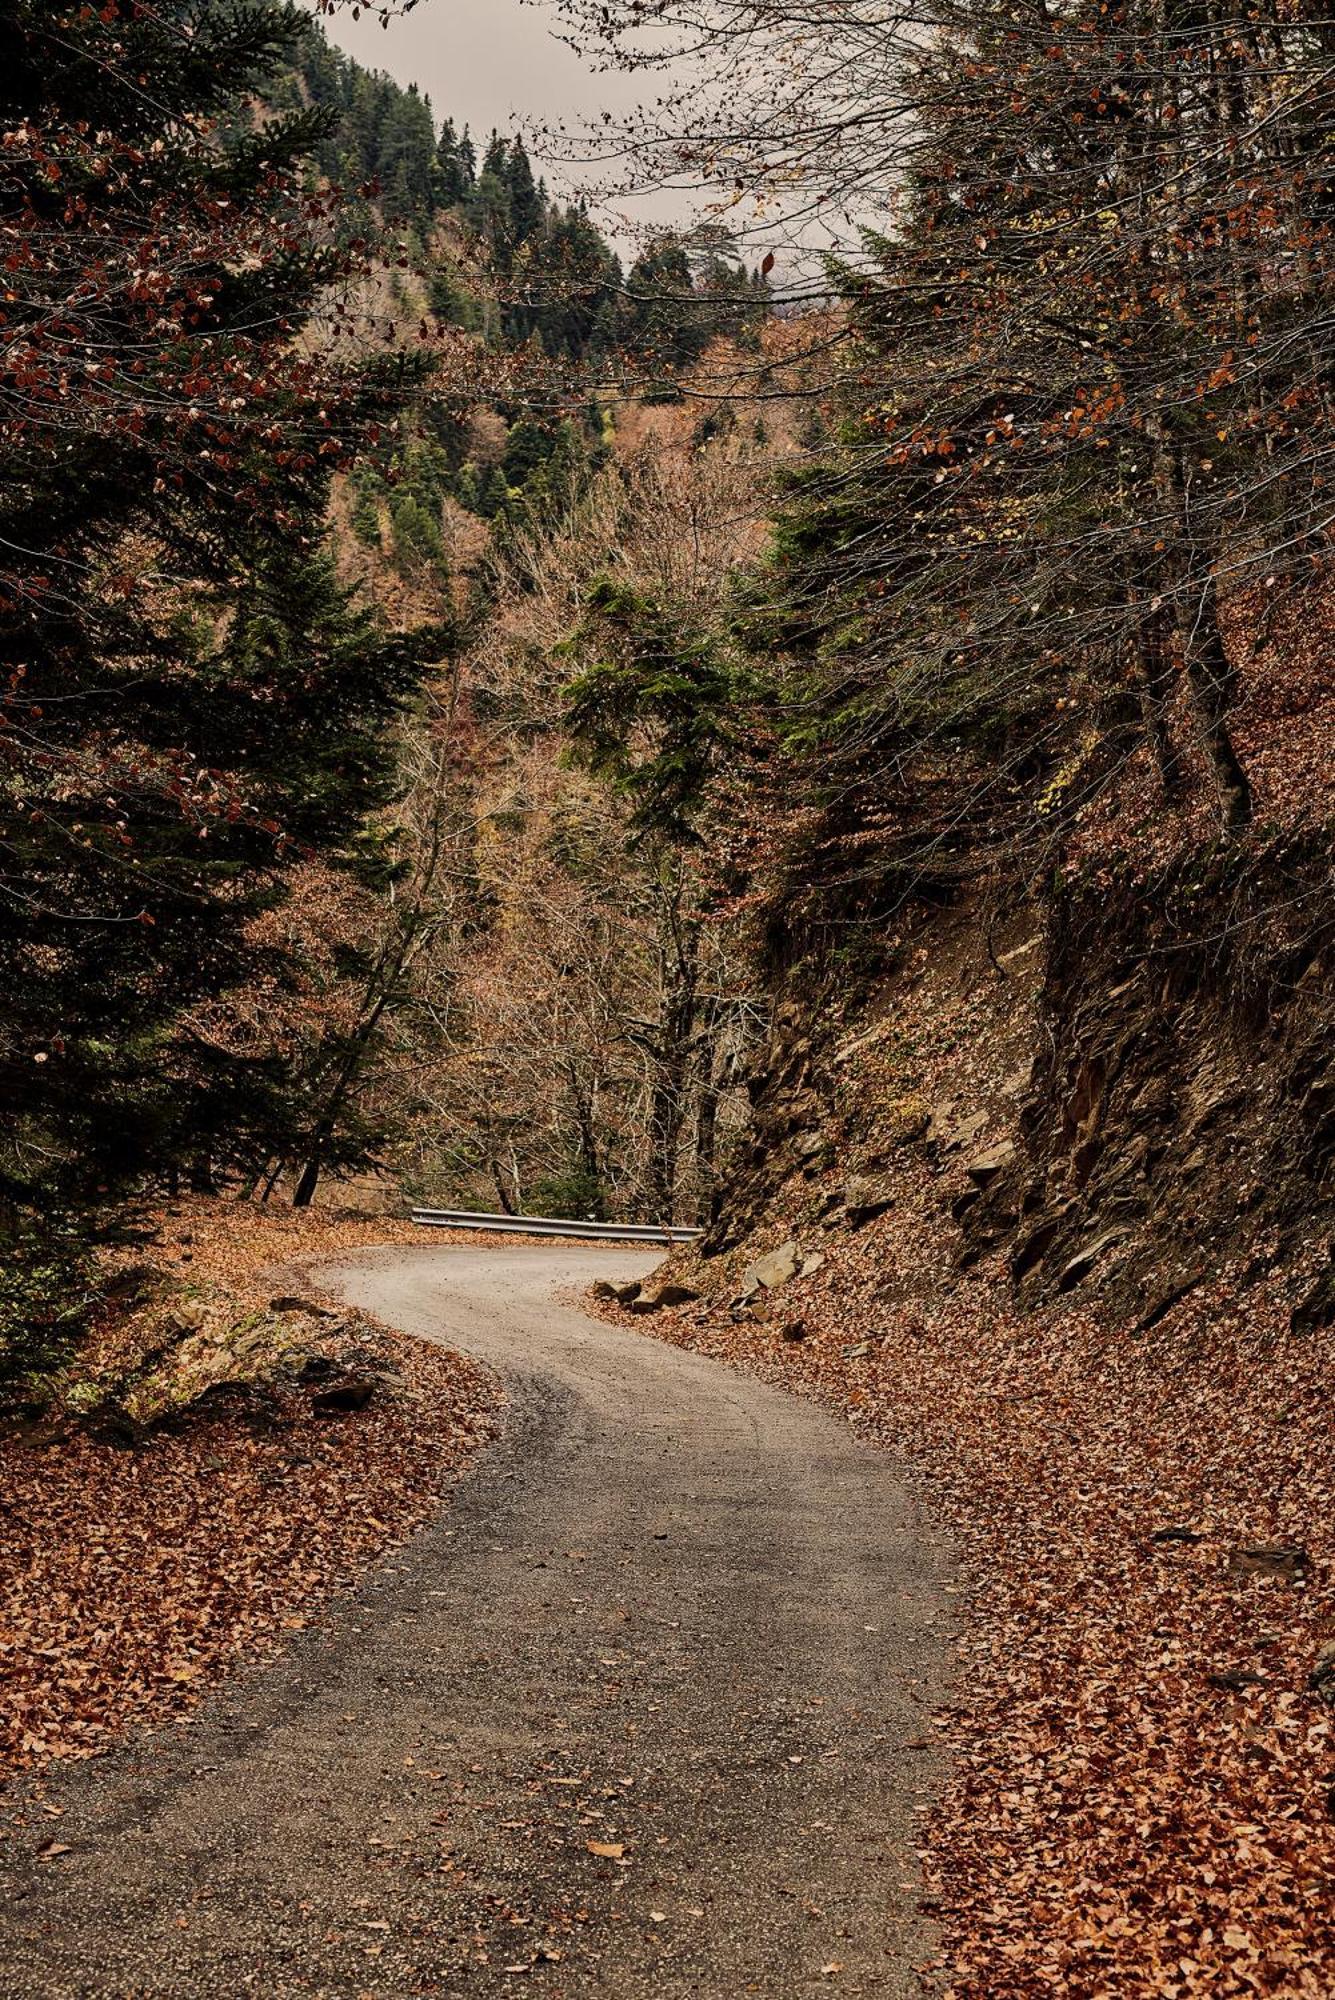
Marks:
<point>674,1613</point>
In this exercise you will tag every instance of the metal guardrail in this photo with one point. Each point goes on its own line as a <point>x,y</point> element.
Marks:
<point>559,1226</point>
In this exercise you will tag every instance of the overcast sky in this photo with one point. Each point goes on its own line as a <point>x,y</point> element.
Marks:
<point>492,63</point>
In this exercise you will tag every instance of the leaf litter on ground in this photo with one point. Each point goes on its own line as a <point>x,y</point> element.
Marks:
<point>1142,1795</point>
<point>143,1562</point>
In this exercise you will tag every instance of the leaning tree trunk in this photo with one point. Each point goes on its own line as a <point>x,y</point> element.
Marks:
<point>1204,658</point>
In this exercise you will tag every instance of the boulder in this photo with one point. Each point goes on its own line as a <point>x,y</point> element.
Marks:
<point>311,1369</point>
<point>777,1267</point>
<point>623,1294</point>
<point>187,1316</point>
<point>864,1200</point>
<point>807,1144</point>
<point>1288,1560</point>
<point>983,1168</point>
<point>602,1288</point>
<point>670,1294</point>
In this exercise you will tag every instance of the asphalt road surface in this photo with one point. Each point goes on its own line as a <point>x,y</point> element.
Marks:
<point>675,1615</point>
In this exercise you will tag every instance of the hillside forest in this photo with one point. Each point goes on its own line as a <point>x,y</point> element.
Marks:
<point>815,726</point>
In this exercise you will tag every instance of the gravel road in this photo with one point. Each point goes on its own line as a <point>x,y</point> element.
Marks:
<point>674,1615</point>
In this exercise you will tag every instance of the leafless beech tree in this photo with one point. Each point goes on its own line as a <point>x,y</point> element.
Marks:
<point>580,1024</point>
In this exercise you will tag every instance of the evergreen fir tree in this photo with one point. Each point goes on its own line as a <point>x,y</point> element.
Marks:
<point>467,165</point>
<point>406,158</point>
<point>662,320</point>
<point>453,183</point>
<point>526,202</point>
<point>170,750</point>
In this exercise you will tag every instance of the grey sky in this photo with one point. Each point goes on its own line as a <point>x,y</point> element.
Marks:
<point>493,63</point>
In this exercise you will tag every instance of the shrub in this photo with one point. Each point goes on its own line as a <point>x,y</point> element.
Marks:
<point>46,1294</point>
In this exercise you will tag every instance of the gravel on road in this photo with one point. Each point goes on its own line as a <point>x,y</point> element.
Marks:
<point>644,1713</point>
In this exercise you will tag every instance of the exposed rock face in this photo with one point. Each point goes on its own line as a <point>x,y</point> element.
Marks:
<point>791,1109</point>
<point>983,1168</point>
<point>1148,1093</point>
<point>952,1126</point>
<point>1182,1101</point>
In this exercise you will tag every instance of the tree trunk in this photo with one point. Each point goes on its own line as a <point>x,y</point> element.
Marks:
<point>1212,681</point>
<point>715,1067</point>
<point>1156,670</point>
<point>303,1194</point>
<point>1209,676</point>
<point>502,1192</point>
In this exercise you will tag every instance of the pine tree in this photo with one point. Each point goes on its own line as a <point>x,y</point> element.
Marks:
<point>527,203</point>
<point>467,165</point>
<point>454,185</point>
<point>493,493</point>
<point>565,286</point>
<point>406,159</point>
<point>189,705</point>
<point>662,320</point>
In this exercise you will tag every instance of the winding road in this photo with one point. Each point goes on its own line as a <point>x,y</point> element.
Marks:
<point>675,1616</point>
